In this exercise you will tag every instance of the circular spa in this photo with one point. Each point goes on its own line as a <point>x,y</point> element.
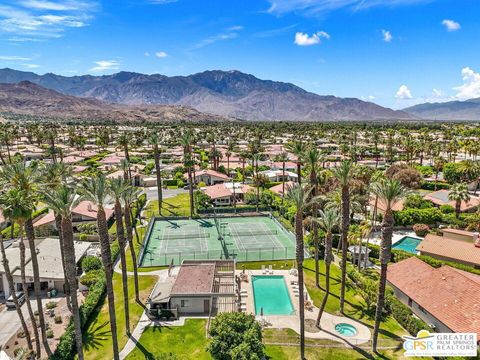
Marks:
<point>346,329</point>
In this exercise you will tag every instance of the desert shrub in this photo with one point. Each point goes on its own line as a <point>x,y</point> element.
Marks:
<point>447,209</point>
<point>90,263</point>
<point>421,229</point>
<point>415,201</point>
<point>58,319</point>
<point>51,305</point>
<point>91,277</point>
<point>50,334</point>
<point>416,216</point>
<point>428,185</point>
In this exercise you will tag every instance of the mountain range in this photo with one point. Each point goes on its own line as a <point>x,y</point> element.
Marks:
<point>27,98</point>
<point>228,94</point>
<point>452,110</point>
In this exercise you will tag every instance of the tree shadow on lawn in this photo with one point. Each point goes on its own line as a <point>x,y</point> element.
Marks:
<point>95,337</point>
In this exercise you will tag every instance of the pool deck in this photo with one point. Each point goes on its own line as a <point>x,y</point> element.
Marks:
<point>328,321</point>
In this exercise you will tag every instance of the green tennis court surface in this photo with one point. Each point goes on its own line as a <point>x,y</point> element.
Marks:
<point>252,238</point>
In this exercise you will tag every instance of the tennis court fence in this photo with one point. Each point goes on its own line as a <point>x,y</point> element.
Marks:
<point>261,254</point>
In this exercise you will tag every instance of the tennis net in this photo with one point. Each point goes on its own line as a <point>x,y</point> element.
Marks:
<point>254,232</point>
<point>185,236</point>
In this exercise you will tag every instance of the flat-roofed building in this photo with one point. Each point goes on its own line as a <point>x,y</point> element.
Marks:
<point>458,246</point>
<point>201,287</point>
<point>49,264</point>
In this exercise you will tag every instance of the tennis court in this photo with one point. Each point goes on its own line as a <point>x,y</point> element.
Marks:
<point>245,238</point>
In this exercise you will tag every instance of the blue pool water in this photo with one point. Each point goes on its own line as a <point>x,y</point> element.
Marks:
<point>346,329</point>
<point>408,244</point>
<point>271,294</point>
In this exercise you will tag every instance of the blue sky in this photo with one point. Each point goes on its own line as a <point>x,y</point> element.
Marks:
<point>393,52</point>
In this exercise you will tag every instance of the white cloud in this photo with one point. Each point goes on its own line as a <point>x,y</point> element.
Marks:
<point>303,39</point>
<point>105,65</point>
<point>387,36</point>
<point>31,20</point>
<point>320,7</point>
<point>55,6</point>
<point>451,25</point>
<point>235,28</point>
<point>31,66</point>
<point>403,93</point>
<point>437,93</point>
<point>146,53</point>
<point>13,58</point>
<point>471,85</point>
<point>161,54</point>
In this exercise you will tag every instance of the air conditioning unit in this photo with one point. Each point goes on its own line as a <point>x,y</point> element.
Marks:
<point>432,326</point>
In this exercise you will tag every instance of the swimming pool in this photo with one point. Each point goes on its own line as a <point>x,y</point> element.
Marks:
<point>270,293</point>
<point>346,329</point>
<point>408,244</point>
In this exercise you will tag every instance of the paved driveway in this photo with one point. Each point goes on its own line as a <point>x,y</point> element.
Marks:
<point>167,193</point>
<point>10,323</point>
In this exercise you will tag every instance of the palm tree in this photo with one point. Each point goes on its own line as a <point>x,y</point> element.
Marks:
<point>344,174</point>
<point>156,156</point>
<point>389,192</point>
<point>123,141</point>
<point>129,197</point>
<point>327,220</point>
<point>299,196</point>
<point>188,162</point>
<point>11,286</point>
<point>62,200</point>
<point>283,158</point>
<point>24,179</point>
<point>95,190</point>
<point>312,161</point>
<point>56,174</point>
<point>297,148</point>
<point>117,188</point>
<point>458,193</point>
<point>255,159</point>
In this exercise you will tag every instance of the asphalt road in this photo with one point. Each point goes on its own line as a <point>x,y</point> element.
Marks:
<point>167,193</point>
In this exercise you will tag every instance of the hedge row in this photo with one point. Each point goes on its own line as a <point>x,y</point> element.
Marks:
<point>402,313</point>
<point>66,347</point>
<point>428,185</point>
<point>96,294</point>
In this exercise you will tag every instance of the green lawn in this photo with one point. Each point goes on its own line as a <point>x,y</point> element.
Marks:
<point>178,205</point>
<point>97,339</point>
<point>186,342</point>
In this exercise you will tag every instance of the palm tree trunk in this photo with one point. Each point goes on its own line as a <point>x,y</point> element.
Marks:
<point>300,257</point>
<point>36,283</point>
<point>159,178</point>
<point>27,295</point>
<point>128,227</point>
<point>69,251</point>
<point>190,191</point>
<point>283,180</point>
<point>299,170</point>
<point>13,293</point>
<point>107,264</point>
<point>58,225</point>
<point>344,240</point>
<point>328,261</point>
<point>385,254</point>
<point>121,244</point>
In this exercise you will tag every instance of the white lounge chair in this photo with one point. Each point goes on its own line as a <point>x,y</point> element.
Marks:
<point>270,270</point>
<point>264,271</point>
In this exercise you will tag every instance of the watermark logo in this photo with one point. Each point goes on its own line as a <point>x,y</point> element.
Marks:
<point>440,344</point>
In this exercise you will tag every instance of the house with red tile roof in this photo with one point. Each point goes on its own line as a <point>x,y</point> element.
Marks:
<point>440,198</point>
<point>85,211</point>
<point>278,189</point>
<point>457,246</point>
<point>201,287</point>
<point>209,177</point>
<point>446,298</point>
<point>223,194</point>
